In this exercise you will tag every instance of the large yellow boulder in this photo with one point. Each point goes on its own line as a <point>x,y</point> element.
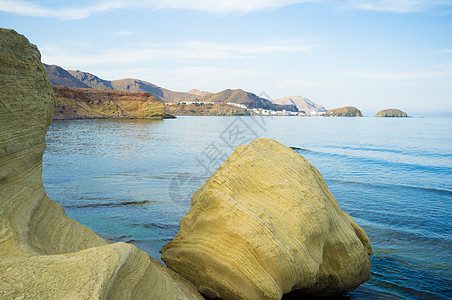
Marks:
<point>264,224</point>
<point>44,254</point>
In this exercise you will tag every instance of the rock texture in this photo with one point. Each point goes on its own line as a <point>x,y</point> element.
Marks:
<point>44,254</point>
<point>92,103</point>
<point>396,113</point>
<point>347,111</point>
<point>302,104</point>
<point>265,223</point>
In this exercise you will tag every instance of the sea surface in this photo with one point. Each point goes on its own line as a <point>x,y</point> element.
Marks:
<point>131,181</point>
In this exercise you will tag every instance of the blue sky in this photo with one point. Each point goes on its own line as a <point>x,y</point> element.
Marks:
<point>369,54</point>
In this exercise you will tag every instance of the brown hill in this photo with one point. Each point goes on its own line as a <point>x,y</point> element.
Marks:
<point>392,112</point>
<point>250,100</point>
<point>90,103</point>
<point>136,85</point>
<point>79,79</point>
<point>347,111</point>
<point>91,80</point>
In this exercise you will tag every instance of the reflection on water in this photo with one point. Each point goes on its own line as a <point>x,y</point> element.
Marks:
<point>394,176</point>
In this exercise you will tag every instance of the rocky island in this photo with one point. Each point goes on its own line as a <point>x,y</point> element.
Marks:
<point>347,111</point>
<point>394,113</point>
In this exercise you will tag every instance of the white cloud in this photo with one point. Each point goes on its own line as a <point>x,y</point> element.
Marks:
<point>234,6</point>
<point>398,6</point>
<point>35,9</point>
<point>445,51</point>
<point>173,51</point>
<point>394,76</point>
<point>124,33</point>
<point>30,8</point>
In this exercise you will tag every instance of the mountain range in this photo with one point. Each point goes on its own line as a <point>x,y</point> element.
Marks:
<point>248,99</point>
<point>78,79</point>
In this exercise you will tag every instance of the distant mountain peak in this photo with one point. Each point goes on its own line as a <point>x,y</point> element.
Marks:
<point>199,93</point>
<point>61,77</point>
<point>91,80</point>
<point>302,103</point>
<point>250,100</point>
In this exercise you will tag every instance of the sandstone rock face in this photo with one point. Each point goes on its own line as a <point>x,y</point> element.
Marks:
<point>75,103</point>
<point>44,254</point>
<point>265,223</point>
<point>395,113</point>
<point>347,111</point>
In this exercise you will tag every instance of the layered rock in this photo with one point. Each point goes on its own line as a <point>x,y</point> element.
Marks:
<point>395,113</point>
<point>44,254</point>
<point>75,103</point>
<point>265,223</point>
<point>347,111</point>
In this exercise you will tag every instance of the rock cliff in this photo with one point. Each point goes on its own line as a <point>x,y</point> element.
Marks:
<point>396,113</point>
<point>44,254</point>
<point>347,111</point>
<point>265,223</point>
<point>92,103</point>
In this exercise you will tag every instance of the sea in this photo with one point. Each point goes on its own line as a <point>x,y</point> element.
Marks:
<point>132,180</point>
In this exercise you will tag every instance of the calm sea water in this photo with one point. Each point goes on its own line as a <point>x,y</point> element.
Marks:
<point>131,181</point>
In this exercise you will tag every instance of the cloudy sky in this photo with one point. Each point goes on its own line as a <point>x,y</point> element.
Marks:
<point>366,53</point>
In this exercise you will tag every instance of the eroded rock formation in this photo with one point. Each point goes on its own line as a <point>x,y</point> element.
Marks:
<point>44,254</point>
<point>265,223</point>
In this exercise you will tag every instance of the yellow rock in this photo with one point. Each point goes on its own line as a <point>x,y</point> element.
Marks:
<point>264,224</point>
<point>44,254</point>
